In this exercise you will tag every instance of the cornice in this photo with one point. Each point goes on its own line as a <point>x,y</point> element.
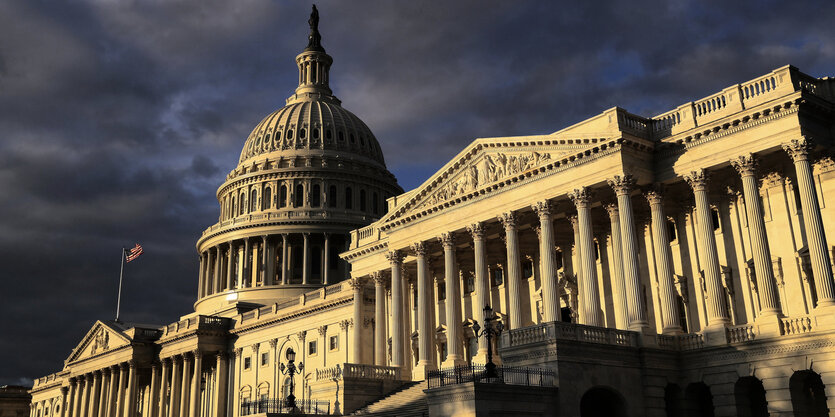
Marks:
<point>365,176</point>
<point>288,222</point>
<point>373,248</point>
<point>328,305</point>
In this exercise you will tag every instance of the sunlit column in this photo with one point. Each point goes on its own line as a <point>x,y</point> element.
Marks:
<point>717,310</point>
<point>230,262</point>
<point>547,262</point>
<point>482,286</point>
<point>592,315</point>
<point>221,389</point>
<point>176,383</point>
<point>455,355</point>
<point>577,266</point>
<point>357,284</point>
<point>326,267</point>
<point>284,254</point>
<point>200,276</point>
<point>396,259</point>
<point>379,318</point>
<point>131,394</point>
<point>305,257</point>
<point>93,406</point>
<point>185,386</point>
<point>424,309</point>
<point>265,262</point>
<point>71,398</point>
<point>621,320</point>
<point>798,150</point>
<point>670,317</point>
<point>246,268</point>
<point>163,387</point>
<point>514,269</point>
<point>195,384</point>
<point>84,389</point>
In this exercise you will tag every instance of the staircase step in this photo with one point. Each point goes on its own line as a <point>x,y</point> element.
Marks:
<point>408,401</point>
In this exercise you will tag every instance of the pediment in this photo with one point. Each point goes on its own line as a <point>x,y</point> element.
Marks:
<point>102,337</point>
<point>487,162</point>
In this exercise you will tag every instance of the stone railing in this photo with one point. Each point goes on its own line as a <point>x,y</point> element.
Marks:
<point>333,289</point>
<point>284,215</point>
<point>555,331</point>
<point>354,370</point>
<point>744,333</point>
<point>795,325</point>
<point>368,234</point>
<point>687,341</point>
<point>199,322</point>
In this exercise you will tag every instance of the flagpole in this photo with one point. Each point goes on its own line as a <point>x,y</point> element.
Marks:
<point>119,298</point>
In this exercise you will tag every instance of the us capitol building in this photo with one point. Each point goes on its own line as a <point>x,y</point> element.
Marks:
<point>643,266</point>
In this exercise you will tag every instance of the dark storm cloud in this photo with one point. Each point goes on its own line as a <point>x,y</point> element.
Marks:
<point>118,120</point>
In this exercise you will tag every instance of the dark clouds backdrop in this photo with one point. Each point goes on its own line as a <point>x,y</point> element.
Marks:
<point>119,119</point>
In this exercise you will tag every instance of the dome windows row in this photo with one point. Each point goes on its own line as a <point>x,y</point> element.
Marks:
<point>302,194</point>
<point>299,138</point>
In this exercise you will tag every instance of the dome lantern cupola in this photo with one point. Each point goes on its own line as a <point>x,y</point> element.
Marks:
<point>314,67</point>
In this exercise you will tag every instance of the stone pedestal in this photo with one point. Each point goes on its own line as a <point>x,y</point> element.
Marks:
<point>481,399</point>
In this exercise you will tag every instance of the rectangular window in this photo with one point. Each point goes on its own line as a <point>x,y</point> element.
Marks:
<point>469,284</point>
<point>265,358</point>
<point>527,269</point>
<point>441,291</point>
<point>247,362</point>
<point>334,343</point>
<point>497,277</point>
<point>311,348</point>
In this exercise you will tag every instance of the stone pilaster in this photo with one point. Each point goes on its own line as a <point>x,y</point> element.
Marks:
<point>514,269</point>
<point>717,310</point>
<point>221,394</point>
<point>798,150</point>
<point>670,317</point>
<point>379,318</point>
<point>284,254</point>
<point>357,284</point>
<point>305,259</point>
<point>130,407</point>
<point>455,355</point>
<point>482,283</point>
<point>196,382</point>
<point>426,358</point>
<point>326,259</point>
<point>547,262</point>
<point>176,384</point>
<point>396,259</point>
<point>591,312</point>
<point>162,407</point>
<point>618,288</point>
<point>185,386</point>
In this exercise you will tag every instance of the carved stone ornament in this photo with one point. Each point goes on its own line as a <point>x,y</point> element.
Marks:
<point>542,208</point>
<point>612,210</point>
<point>798,149</point>
<point>773,179</point>
<point>323,330</point>
<point>508,220</point>
<point>356,283</point>
<point>419,248</point>
<point>395,257</point>
<point>698,179</point>
<point>476,230</point>
<point>379,279</point>
<point>824,164</point>
<point>622,184</point>
<point>581,197</point>
<point>100,341</point>
<point>654,196</point>
<point>745,165</point>
<point>491,168</point>
<point>447,240</point>
<point>302,335</point>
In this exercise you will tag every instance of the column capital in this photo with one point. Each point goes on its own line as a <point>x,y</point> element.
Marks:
<point>622,184</point>
<point>573,219</point>
<point>611,209</point>
<point>323,330</point>
<point>581,197</point>
<point>155,365</point>
<point>476,230</point>
<point>419,248</point>
<point>356,283</point>
<point>197,354</point>
<point>345,324</point>
<point>73,381</point>
<point>302,335</point>
<point>798,149</point>
<point>543,208</point>
<point>64,390</point>
<point>447,239</point>
<point>132,364</point>
<point>508,220</point>
<point>395,257</point>
<point>745,165</point>
<point>654,195</point>
<point>698,179</point>
<point>222,354</point>
<point>379,279</point>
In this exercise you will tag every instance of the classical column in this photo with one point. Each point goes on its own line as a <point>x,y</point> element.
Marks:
<point>121,409</point>
<point>424,309</point>
<point>408,362</point>
<point>577,266</point>
<point>163,387</point>
<point>176,384</point>
<point>101,400</point>
<point>798,150</point>
<point>63,412</point>
<point>131,394</point>
<point>216,271</point>
<point>82,396</point>
<point>305,266</point>
<point>200,277</point>
<point>621,318</point>
<point>396,260</point>
<point>327,259</point>
<point>113,396</point>
<point>196,382</point>
<point>717,310</point>
<point>246,268</point>
<point>547,262</point>
<point>591,300</point>
<point>93,407</point>
<point>636,306</point>
<point>482,285</point>
<point>379,318</point>
<point>357,285</point>
<point>73,398</point>
<point>746,165</point>
<point>670,317</point>
<point>284,258</point>
<point>514,269</point>
<point>453,302</point>
<point>266,279</point>
<point>230,262</point>
<point>221,394</point>
<point>185,386</point>
<point>153,391</point>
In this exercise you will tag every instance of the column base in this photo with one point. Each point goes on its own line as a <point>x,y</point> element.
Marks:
<point>453,362</point>
<point>421,369</point>
<point>716,335</point>
<point>481,358</point>
<point>769,326</point>
<point>824,317</point>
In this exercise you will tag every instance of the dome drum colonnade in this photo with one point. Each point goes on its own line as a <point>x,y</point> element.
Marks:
<point>308,174</point>
<point>633,312</point>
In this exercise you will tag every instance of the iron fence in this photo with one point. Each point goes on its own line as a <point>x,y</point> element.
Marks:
<point>279,406</point>
<point>533,377</point>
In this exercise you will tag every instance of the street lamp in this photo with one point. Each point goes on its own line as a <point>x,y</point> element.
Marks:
<point>492,327</point>
<point>291,370</point>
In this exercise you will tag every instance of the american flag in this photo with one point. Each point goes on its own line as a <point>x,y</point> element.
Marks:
<point>134,253</point>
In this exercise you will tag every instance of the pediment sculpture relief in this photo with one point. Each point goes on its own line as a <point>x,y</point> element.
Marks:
<point>100,341</point>
<point>491,168</point>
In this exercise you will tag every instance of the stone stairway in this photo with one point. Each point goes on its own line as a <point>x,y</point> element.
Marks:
<point>408,401</point>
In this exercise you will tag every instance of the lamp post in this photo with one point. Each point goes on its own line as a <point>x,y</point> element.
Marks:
<point>492,327</point>
<point>291,370</point>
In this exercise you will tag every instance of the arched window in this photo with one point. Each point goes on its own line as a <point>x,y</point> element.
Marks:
<point>672,400</point>
<point>299,196</point>
<point>290,134</point>
<point>332,196</point>
<point>315,133</point>
<point>602,401</point>
<point>282,196</point>
<point>302,133</point>
<point>341,136</point>
<point>316,261</point>
<point>750,397</point>
<point>266,202</point>
<point>242,204</point>
<point>231,211</point>
<point>253,201</point>
<point>362,200</point>
<point>315,195</point>
<point>698,400</point>
<point>349,198</point>
<point>808,394</point>
<point>375,203</point>
<point>328,134</point>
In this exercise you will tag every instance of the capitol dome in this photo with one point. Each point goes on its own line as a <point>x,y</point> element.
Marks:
<point>308,174</point>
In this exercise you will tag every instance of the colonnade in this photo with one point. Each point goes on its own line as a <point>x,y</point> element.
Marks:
<point>625,277</point>
<point>270,260</point>
<point>107,392</point>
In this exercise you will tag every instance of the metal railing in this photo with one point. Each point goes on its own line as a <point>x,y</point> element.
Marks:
<point>531,377</point>
<point>273,405</point>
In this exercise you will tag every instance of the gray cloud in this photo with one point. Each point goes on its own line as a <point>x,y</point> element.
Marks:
<point>118,120</point>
